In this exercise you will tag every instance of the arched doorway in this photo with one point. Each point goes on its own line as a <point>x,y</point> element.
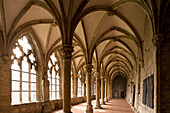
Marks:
<point>119,87</point>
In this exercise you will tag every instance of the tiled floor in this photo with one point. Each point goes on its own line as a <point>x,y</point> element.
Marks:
<point>114,106</point>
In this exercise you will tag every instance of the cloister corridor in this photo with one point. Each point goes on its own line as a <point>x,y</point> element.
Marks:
<point>118,105</point>
<point>85,56</point>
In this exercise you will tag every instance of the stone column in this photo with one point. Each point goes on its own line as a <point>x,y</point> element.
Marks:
<point>66,77</point>
<point>110,91</point>
<point>84,87</point>
<point>106,96</point>
<point>88,75</point>
<point>102,90</point>
<point>60,87</point>
<point>97,91</point>
<point>75,85</point>
<point>92,85</point>
<point>158,41</point>
<point>47,107</point>
<point>39,91</point>
<point>5,84</point>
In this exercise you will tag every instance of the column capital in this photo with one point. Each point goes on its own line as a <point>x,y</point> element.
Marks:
<point>88,68</point>
<point>45,75</point>
<point>5,59</point>
<point>105,79</point>
<point>66,51</point>
<point>97,75</point>
<point>157,39</point>
<point>102,77</point>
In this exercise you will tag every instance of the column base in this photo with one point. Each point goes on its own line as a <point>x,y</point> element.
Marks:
<point>46,107</point>
<point>106,100</point>
<point>89,109</point>
<point>102,102</point>
<point>98,105</point>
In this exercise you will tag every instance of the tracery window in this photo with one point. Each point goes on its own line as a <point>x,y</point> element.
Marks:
<point>79,85</point>
<point>53,77</point>
<point>23,72</point>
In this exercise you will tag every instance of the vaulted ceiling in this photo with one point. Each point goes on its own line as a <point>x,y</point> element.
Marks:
<point>108,33</point>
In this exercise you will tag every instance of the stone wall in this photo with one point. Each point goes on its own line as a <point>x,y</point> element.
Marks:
<point>5,84</point>
<point>27,108</point>
<point>165,76</point>
<point>117,87</point>
<point>164,94</point>
<point>38,107</point>
<point>148,67</point>
<point>128,92</point>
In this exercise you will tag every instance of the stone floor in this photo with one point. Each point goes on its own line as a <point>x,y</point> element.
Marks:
<point>114,106</point>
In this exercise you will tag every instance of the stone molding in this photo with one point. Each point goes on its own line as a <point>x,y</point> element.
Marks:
<point>5,59</point>
<point>66,51</point>
<point>97,75</point>
<point>157,39</point>
<point>102,77</point>
<point>88,68</point>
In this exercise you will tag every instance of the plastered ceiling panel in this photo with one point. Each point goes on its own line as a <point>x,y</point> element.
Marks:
<point>42,32</point>
<point>91,22</point>
<point>80,32</point>
<point>54,36</point>
<point>34,13</point>
<point>12,9</point>
<point>135,15</point>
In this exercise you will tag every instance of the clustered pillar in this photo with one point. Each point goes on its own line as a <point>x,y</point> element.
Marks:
<point>66,80</point>
<point>109,87</point>
<point>5,71</point>
<point>102,90</point>
<point>46,92</point>
<point>106,99</point>
<point>88,75</point>
<point>97,91</point>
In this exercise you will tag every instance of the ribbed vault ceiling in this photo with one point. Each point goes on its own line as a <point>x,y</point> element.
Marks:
<point>108,33</point>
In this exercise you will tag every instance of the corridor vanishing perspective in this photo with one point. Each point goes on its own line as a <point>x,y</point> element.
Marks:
<point>97,55</point>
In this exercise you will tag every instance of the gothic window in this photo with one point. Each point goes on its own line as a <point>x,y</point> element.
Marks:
<point>79,85</point>
<point>23,72</point>
<point>53,77</point>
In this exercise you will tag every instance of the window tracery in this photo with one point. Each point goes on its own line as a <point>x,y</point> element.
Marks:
<point>23,72</point>
<point>53,77</point>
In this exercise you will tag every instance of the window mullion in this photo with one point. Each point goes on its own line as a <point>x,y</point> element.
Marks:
<point>55,84</point>
<point>51,83</point>
<point>20,81</point>
<point>29,81</point>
